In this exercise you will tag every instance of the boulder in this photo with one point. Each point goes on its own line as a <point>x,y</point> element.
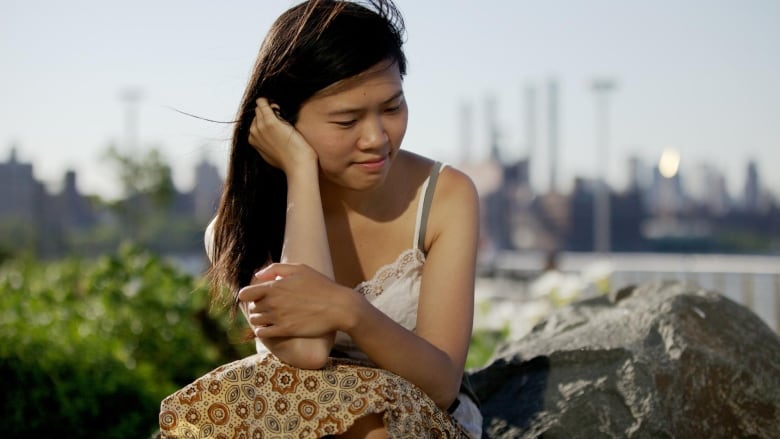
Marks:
<point>663,360</point>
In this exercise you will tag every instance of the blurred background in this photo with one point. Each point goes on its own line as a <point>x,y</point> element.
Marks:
<point>612,143</point>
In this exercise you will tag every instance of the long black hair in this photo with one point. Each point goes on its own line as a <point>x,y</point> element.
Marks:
<point>310,46</point>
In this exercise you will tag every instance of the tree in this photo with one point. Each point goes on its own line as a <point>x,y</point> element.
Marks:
<point>147,187</point>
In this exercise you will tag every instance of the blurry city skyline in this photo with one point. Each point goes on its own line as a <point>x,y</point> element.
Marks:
<point>699,78</point>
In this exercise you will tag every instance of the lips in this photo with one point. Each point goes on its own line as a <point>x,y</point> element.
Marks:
<point>373,163</point>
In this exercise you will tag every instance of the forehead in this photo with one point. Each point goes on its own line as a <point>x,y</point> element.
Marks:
<point>382,77</point>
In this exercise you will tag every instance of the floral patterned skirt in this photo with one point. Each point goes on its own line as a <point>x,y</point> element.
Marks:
<point>261,397</point>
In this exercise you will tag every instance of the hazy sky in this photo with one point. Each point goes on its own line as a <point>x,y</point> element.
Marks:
<point>700,76</point>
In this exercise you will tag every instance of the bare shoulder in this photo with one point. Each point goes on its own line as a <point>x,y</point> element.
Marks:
<point>455,185</point>
<point>455,209</point>
<point>451,183</point>
<point>455,197</point>
<point>411,166</point>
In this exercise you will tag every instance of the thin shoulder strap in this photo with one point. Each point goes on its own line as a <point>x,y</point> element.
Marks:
<point>424,205</point>
<point>208,240</point>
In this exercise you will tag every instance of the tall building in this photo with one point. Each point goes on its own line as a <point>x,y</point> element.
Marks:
<point>666,196</point>
<point>640,174</point>
<point>33,219</point>
<point>207,190</point>
<point>709,189</point>
<point>752,200</point>
<point>19,192</point>
<point>25,218</point>
<point>76,211</point>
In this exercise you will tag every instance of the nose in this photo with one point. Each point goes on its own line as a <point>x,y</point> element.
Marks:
<point>373,134</point>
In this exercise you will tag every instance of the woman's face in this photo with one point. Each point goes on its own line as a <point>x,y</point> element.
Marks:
<point>356,126</point>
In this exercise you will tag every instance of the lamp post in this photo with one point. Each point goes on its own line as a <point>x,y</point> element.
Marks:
<point>601,205</point>
<point>131,97</point>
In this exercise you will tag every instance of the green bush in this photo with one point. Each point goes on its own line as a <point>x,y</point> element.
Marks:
<point>88,349</point>
<point>483,345</point>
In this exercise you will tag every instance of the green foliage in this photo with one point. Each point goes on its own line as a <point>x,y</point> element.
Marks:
<point>483,345</point>
<point>743,241</point>
<point>148,189</point>
<point>88,349</point>
<point>16,236</point>
<point>148,174</point>
<point>5,253</point>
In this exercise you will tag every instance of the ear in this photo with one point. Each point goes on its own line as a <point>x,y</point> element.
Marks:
<point>281,114</point>
<point>277,110</point>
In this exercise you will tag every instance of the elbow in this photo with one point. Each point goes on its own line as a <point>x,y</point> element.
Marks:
<point>306,360</point>
<point>447,396</point>
<point>446,399</point>
<point>303,353</point>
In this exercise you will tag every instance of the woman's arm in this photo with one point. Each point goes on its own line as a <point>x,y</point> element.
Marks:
<point>303,303</point>
<point>305,236</point>
<point>434,356</point>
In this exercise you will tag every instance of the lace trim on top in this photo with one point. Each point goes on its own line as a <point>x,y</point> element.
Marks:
<point>408,260</point>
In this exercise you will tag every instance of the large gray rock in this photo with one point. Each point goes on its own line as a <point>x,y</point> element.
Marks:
<point>658,360</point>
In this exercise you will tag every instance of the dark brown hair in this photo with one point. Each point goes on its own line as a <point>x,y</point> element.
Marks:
<point>310,46</point>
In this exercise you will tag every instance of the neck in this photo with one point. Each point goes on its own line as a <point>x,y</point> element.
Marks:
<point>337,200</point>
<point>386,200</point>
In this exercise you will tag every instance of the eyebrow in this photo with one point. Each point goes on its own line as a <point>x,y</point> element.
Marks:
<point>346,111</point>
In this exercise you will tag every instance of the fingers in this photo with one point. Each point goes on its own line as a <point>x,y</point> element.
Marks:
<point>265,279</point>
<point>252,308</point>
<point>256,138</point>
<point>253,293</point>
<point>268,129</point>
<point>276,271</point>
<point>265,110</point>
<point>270,112</point>
<point>270,332</point>
<point>260,319</point>
<point>258,313</point>
<point>266,115</point>
<point>257,316</point>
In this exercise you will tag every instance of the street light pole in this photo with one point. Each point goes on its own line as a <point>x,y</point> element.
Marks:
<point>552,133</point>
<point>131,97</point>
<point>601,205</point>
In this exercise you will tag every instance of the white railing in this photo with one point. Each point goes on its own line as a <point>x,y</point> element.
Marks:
<point>753,281</point>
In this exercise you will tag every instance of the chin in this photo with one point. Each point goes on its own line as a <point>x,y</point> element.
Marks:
<point>358,181</point>
<point>364,184</point>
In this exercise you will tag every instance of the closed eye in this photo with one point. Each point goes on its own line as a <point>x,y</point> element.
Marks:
<point>344,123</point>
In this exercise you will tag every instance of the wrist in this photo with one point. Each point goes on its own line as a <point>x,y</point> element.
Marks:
<point>304,170</point>
<point>353,308</point>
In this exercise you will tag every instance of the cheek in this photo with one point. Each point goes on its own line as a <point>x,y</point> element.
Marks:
<point>330,144</point>
<point>322,139</point>
<point>397,129</point>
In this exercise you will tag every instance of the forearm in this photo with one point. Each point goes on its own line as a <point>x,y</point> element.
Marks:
<point>394,348</point>
<point>305,236</point>
<point>305,242</point>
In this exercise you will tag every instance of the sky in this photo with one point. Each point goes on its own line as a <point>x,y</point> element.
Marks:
<point>702,77</point>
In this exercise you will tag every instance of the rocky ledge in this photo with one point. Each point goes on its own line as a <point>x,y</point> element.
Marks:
<point>663,360</point>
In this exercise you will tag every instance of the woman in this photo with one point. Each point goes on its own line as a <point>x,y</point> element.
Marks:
<point>352,260</point>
